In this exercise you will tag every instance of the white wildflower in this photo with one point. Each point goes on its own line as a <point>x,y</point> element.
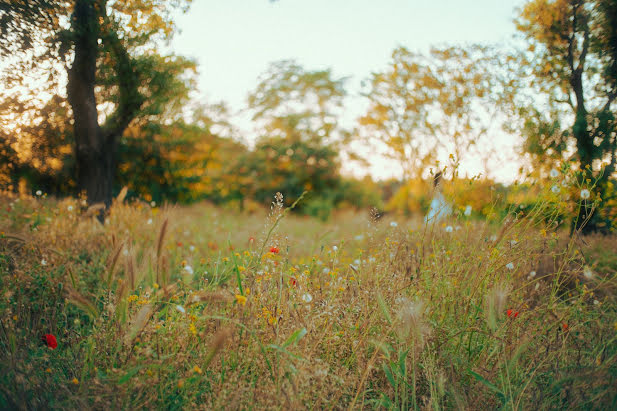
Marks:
<point>356,261</point>
<point>181,309</point>
<point>43,262</point>
<point>188,269</point>
<point>39,193</point>
<point>191,248</point>
<point>556,189</point>
<point>588,273</point>
<point>493,238</point>
<point>510,266</point>
<point>359,237</point>
<point>554,173</point>
<point>326,270</point>
<point>393,224</point>
<point>152,204</point>
<point>149,222</point>
<point>513,243</point>
<point>537,286</point>
<point>467,211</point>
<point>532,274</point>
<point>596,302</point>
<point>307,298</point>
<point>585,194</point>
<point>125,252</point>
<point>449,229</point>
<point>335,248</point>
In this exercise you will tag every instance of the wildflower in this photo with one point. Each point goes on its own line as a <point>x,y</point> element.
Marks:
<point>156,286</point>
<point>554,173</point>
<point>449,229</point>
<point>241,268</point>
<point>596,302</point>
<point>511,313</point>
<point>75,381</point>
<point>565,327</point>
<point>532,274</point>
<point>180,383</point>
<point>587,272</point>
<point>191,248</point>
<point>240,299</point>
<point>585,194</point>
<point>555,189</point>
<point>181,309</point>
<point>39,193</point>
<point>50,341</point>
<point>192,328</point>
<point>293,282</point>
<point>493,238</point>
<point>70,208</point>
<point>132,298</point>
<point>149,222</point>
<point>513,243</point>
<point>467,211</point>
<point>510,266</point>
<point>359,237</point>
<point>335,248</point>
<point>48,370</point>
<point>152,204</point>
<point>188,269</point>
<point>197,370</point>
<point>393,224</point>
<point>274,250</point>
<point>43,262</point>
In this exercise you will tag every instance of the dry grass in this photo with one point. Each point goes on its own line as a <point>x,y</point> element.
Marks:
<point>177,308</point>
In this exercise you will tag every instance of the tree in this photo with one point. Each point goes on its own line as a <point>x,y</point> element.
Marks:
<point>115,74</point>
<point>296,104</point>
<point>421,106</point>
<point>571,61</point>
<point>297,112</point>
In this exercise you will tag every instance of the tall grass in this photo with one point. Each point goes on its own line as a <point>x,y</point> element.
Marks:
<point>196,307</point>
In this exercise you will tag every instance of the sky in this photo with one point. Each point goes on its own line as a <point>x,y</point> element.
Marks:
<point>234,41</point>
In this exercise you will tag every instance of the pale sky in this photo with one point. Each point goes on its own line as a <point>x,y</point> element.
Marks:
<point>235,40</point>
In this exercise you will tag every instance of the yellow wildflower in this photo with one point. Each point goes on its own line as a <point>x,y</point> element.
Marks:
<point>192,328</point>
<point>197,369</point>
<point>75,381</point>
<point>241,299</point>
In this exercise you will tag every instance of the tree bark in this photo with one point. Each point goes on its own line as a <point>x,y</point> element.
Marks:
<point>94,152</point>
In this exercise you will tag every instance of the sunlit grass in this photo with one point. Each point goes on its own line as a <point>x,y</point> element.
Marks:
<point>188,307</point>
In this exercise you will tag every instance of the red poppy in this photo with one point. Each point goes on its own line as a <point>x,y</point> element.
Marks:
<point>179,244</point>
<point>565,327</point>
<point>50,340</point>
<point>293,281</point>
<point>274,250</point>
<point>511,313</point>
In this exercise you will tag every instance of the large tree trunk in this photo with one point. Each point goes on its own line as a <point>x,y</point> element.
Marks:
<point>94,152</point>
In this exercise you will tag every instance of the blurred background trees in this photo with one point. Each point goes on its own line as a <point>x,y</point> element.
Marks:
<point>90,102</point>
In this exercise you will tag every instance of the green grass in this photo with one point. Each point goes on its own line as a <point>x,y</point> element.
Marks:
<point>352,313</point>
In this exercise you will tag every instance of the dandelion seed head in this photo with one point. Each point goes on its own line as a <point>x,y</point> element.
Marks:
<point>510,266</point>
<point>449,229</point>
<point>555,189</point>
<point>554,173</point>
<point>585,194</point>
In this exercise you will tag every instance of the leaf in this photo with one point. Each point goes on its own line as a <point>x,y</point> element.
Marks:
<point>388,372</point>
<point>295,337</point>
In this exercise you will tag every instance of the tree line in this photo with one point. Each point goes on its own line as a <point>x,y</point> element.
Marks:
<point>120,111</point>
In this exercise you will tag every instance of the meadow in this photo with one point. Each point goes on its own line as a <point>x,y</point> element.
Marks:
<point>197,307</point>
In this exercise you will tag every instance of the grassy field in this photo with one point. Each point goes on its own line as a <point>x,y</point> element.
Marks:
<point>197,307</point>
